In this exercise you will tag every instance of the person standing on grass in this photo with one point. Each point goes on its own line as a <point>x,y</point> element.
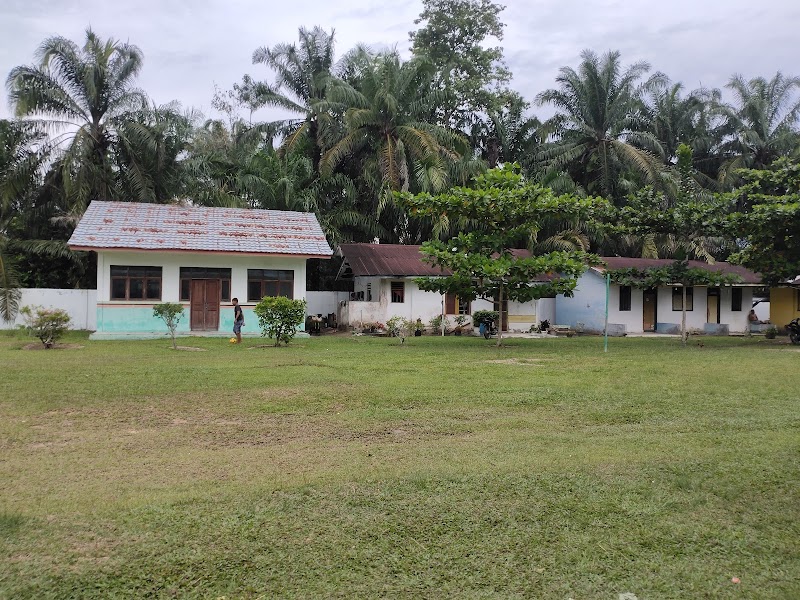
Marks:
<point>238,320</point>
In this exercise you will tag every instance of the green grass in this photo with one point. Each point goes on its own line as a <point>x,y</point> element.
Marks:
<point>356,467</point>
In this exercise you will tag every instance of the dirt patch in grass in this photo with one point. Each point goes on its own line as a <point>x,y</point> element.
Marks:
<point>40,346</point>
<point>190,349</point>
<point>524,362</point>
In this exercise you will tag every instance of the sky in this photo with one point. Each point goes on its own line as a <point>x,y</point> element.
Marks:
<point>190,46</point>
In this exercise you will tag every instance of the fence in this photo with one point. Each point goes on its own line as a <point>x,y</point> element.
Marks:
<point>79,304</point>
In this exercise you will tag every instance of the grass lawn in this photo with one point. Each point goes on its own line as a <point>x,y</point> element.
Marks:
<point>356,467</point>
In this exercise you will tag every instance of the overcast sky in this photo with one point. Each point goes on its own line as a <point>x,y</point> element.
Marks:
<point>191,45</point>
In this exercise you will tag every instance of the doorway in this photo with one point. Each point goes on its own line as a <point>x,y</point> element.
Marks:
<point>503,314</point>
<point>712,306</point>
<point>649,309</point>
<point>204,303</point>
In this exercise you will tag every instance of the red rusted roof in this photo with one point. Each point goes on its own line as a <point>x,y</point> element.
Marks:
<point>140,226</point>
<point>621,262</point>
<point>393,260</point>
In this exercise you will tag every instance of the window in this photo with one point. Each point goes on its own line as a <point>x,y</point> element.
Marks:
<point>677,297</point>
<point>269,282</point>
<point>369,292</point>
<point>624,297</point>
<point>135,283</point>
<point>189,273</point>
<point>736,299</point>
<point>453,305</point>
<point>398,294</point>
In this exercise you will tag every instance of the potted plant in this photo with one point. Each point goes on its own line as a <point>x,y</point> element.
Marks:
<point>770,332</point>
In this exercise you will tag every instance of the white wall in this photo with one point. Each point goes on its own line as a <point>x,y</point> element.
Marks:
<point>325,303</point>
<point>79,304</point>
<point>171,263</point>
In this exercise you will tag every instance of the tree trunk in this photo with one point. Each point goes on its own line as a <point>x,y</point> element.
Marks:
<point>684,335</point>
<point>500,318</point>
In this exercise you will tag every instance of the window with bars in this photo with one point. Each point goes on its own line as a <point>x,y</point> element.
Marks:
<point>269,282</point>
<point>398,292</point>
<point>135,283</point>
<point>189,273</point>
<point>624,298</point>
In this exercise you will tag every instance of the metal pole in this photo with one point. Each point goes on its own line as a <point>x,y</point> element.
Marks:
<point>605,329</point>
<point>443,315</point>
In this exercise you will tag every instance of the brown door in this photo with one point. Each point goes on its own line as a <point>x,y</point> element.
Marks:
<point>204,304</point>
<point>649,310</point>
<point>503,314</point>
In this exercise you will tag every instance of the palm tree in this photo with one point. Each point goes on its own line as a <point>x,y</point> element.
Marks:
<point>386,143</point>
<point>87,94</point>
<point>599,131</point>
<point>303,72</point>
<point>20,169</point>
<point>761,125</point>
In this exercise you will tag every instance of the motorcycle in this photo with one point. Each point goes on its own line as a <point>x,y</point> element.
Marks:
<point>794,331</point>
<point>488,328</point>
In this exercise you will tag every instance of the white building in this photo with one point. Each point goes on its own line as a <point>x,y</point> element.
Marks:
<point>721,309</point>
<point>384,286</point>
<point>197,256</point>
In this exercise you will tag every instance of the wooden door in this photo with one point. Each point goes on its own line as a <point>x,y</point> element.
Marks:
<point>503,314</point>
<point>712,307</point>
<point>649,310</point>
<point>204,301</point>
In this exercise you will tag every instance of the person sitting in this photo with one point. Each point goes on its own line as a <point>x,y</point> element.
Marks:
<point>753,317</point>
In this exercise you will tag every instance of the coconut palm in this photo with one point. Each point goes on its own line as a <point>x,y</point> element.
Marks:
<point>598,132</point>
<point>87,94</point>
<point>761,124</point>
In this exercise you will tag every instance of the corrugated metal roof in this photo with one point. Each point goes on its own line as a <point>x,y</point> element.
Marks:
<point>393,260</point>
<point>621,262</point>
<point>139,226</point>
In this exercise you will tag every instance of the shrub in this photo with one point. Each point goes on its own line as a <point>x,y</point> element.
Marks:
<point>171,313</point>
<point>47,324</point>
<point>771,332</point>
<point>437,325</point>
<point>279,317</point>
<point>400,327</point>
<point>480,316</point>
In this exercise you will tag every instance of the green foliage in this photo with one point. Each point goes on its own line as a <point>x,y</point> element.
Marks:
<point>279,317</point>
<point>47,324</point>
<point>506,211</point>
<point>453,37</point>
<point>400,327</point>
<point>768,222</point>
<point>171,313</point>
<point>481,316</point>
<point>439,325</point>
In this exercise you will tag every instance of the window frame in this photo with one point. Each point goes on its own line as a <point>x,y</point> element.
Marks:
<point>677,298</point>
<point>146,278</point>
<point>394,286</point>
<point>284,285</point>
<point>737,296</point>
<point>625,298</point>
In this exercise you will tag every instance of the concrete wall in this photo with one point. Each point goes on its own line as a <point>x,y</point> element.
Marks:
<point>783,305</point>
<point>586,308</point>
<point>80,304</point>
<point>116,316</point>
<point>325,303</point>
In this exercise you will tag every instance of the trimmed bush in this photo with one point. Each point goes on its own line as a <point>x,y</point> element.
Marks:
<point>279,317</point>
<point>47,324</point>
